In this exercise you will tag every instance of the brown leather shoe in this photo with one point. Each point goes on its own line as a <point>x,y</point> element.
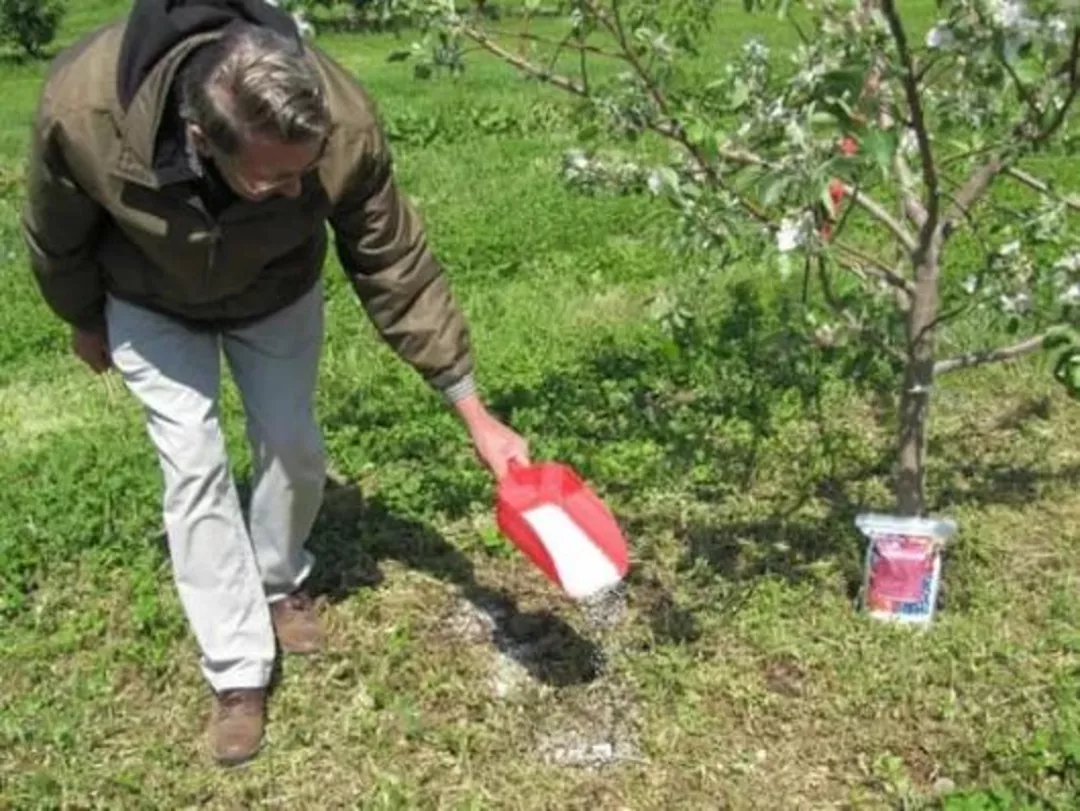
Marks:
<point>236,725</point>
<point>296,623</point>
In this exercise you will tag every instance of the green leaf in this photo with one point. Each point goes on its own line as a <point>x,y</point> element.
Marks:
<point>1060,336</point>
<point>740,94</point>
<point>882,144</point>
<point>1067,371</point>
<point>843,83</point>
<point>774,188</point>
<point>697,131</point>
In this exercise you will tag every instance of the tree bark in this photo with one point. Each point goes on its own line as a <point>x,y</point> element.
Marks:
<point>918,386</point>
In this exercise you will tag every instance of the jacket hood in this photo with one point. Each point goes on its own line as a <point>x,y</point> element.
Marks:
<point>157,26</point>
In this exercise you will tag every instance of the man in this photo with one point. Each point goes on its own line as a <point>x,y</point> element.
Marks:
<point>185,162</point>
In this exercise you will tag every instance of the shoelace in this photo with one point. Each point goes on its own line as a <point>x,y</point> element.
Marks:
<point>233,701</point>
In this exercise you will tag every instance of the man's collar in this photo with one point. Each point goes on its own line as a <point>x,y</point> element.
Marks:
<point>149,153</point>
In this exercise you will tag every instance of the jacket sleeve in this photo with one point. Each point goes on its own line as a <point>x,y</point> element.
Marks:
<point>383,248</point>
<point>60,225</point>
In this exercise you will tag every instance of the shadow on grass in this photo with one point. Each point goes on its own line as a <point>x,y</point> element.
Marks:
<point>354,535</point>
<point>17,58</point>
<point>982,483</point>
<point>719,411</point>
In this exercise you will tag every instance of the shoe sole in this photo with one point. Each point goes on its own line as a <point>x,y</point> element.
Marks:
<point>241,761</point>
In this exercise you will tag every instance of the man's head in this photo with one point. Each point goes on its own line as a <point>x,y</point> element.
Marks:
<point>255,105</point>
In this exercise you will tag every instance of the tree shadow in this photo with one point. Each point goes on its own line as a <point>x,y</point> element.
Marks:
<point>18,58</point>
<point>700,406</point>
<point>979,466</point>
<point>354,535</point>
<point>1000,483</point>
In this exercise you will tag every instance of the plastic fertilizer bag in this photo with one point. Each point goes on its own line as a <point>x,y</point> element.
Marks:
<point>902,568</point>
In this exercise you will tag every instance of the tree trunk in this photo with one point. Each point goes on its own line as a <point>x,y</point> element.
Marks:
<point>918,385</point>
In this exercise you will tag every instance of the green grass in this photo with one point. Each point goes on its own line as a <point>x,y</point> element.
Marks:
<point>740,674</point>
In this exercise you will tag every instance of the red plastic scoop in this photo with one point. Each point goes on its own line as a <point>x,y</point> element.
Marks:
<point>550,514</point>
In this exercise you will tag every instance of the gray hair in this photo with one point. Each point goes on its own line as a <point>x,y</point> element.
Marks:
<point>254,82</point>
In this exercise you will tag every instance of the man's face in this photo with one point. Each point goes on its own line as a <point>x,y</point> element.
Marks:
<point>264,168</point>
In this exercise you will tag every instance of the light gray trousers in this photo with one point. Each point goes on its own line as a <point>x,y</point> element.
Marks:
<point>226,572</point>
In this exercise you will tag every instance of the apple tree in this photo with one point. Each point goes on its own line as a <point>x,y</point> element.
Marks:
<point>872,159</point>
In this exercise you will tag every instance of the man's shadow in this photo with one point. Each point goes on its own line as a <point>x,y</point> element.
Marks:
<point>353,535</point>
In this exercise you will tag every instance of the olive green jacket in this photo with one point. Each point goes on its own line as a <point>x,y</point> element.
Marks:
<point>100,218</point>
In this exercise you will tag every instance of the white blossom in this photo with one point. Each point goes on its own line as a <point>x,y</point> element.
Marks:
<point>776,111</point>
<point>795,134</point>
<point>1059,30</point>
<point>1009,249</point>
<point>577,159</point>
<point>826,335</point>
<point>756,50</point>
<point>656,182</point>
<point>1072,295</point>
<point>970,285</point>
<point>1018,304</point>
<point>1013,18</point>
<point>791,235</point>
<point>909,142</point>
<point>1070,262</point>
<point>940,37</point>
<point>1009,14</point>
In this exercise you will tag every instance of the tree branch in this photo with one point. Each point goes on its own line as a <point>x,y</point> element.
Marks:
<point>918,123</point>
<point>958,157</point>
<point>972,191</point>
<point>876,268</point>
<point>1043,187</point>
<point>524,65</point>
<point>878,212</point>
<point>584,70</point>
<point>913,208</point>
<point>989,356</point>
<point>1022,90</point>
<point>559,46</point>
<point>853,322</point>
<point>1074,86</point>
<point>669,127</point>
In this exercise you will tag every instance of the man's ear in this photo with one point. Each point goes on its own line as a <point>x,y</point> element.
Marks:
<point>198,138</point>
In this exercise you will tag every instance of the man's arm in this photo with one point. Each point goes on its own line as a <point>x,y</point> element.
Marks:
<point>383,248</point>
<point>60,226</point>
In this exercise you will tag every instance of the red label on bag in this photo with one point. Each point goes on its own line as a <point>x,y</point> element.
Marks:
<point>899,567</point>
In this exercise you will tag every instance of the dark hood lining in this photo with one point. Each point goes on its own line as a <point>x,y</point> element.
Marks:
<point>157,26</point>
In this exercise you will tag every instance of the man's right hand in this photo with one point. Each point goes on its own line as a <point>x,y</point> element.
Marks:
<point>92,346</point>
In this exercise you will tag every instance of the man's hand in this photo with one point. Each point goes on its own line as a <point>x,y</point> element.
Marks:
<point>92,347</point>
<point>496,444</point>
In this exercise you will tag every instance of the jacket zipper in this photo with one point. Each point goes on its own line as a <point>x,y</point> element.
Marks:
<point>213,234</point>
<point>215,238</point>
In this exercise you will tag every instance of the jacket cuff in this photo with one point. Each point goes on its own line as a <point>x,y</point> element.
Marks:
<point>461,389</point>
<point>93,321</point>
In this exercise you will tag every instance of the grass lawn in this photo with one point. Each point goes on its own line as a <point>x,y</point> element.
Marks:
<point>739,674</point>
